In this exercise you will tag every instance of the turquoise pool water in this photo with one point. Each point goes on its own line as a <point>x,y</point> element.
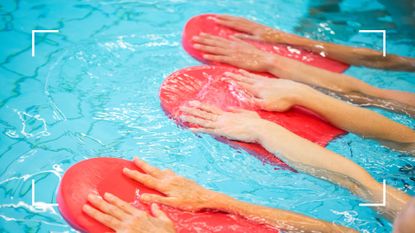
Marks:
<point>92,90</point>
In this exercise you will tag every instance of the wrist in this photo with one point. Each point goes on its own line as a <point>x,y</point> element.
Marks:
<point>306,97</point>
<point>221,202</point>
<point>272,35</point>
<point>216,200</point>
<point>278,66</point>
<point>263,129</point>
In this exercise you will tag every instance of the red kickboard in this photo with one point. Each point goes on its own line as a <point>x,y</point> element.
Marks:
<point>100,175</point>
<point>208,84</point>
<point>206,23</point>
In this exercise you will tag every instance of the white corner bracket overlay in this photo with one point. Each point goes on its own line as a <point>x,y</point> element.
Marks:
<point>384,38</point>
<point>39,204</point>
<point>383,198</point>
<point>34,36</point>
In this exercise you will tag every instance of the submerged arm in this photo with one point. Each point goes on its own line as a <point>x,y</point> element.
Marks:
<point>318,161</point>
<point>356,119</point>
<point>351,55</point>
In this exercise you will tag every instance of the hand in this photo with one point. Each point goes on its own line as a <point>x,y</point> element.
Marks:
<point>234,52</point>
<point>125,218</point>
<point>180,193</point>
<point>271,94</point>
<point>238,124</point>
<point>252,30</point>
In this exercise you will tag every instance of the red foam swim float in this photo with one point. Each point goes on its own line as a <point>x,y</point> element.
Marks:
<point>208,84</point>
<point>206,23</point>
<point>100,175</point>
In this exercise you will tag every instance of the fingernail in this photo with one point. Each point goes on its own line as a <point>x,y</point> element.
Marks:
<point>205,56</point>
<point>195,37</point>
<point>126,170</point>
<point>154,206</point>
<point>197,46</point>
<point>86,207</point>
<point>202,34</point>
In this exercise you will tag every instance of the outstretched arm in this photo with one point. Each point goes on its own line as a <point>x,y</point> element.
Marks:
<point>280,95</point>
<point>243,55</point>
<point>303,155</point>
<point>185,194</point>
<point>344,84</point>
<point>347,54</point>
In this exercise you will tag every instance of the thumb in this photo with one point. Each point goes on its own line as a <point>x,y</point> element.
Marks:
<point>245,36</point>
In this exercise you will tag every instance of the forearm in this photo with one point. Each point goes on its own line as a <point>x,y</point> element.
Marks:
<point>340,83</point>
<point>347,54</point>
<point>365,101</point>
<point>355,119</point>
<point>297,71</point>
<point>280,219</point>
<point>311,158</point>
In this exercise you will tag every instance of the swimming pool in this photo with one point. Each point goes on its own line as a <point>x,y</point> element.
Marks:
<point>92,90</point>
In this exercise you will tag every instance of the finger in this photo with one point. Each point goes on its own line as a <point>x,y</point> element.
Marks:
<point>197,121</point>
<point>251,75</point>
<point>105,219</point>
<point>246,36</point>
<point>199,113</point>
<point>154,198</point>
<point>158,213</point>
<point>217,58</point>
<point>226,17</point>
<point>211,49</point>
<point>211,42</point>
<point>206,107</point>
<point>105,207</point>
<point>240,78</point>
<point>145,179</point>
<point>206,36</point>
<point>147,168</point>
<point>240,110</point>
<point>249,87</point>
<point>124,206</point>
<point>235,24</point>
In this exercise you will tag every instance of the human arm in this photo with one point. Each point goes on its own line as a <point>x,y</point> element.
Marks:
<point>243,55</point>
<point>183,193</point>
<point>341,83</point>
<point>351,55</point>
<point>301,154</point>
<point>280,95</point>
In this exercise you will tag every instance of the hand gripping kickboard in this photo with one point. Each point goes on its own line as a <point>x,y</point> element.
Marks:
<point>100,175</point>
<point>208,84</point>
<point>206,23</point>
